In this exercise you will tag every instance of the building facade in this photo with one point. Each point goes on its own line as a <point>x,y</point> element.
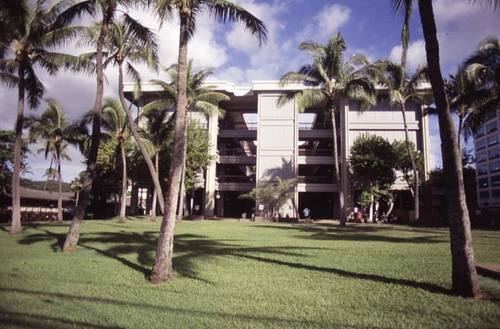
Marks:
<point>487,152</point>
<point>258,141</point>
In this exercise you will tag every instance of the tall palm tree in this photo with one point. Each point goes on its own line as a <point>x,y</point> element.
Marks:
<point>106,10</point>
<point>28,39</point>
<point>200,98</point>
<point>156,131</point>
<point>55,132</point>
<point>114,121</point>
<point>331,77</point>
<point>464,275</point>
<point>188,10</point>
<point>401,90</point>
<point>129,42</point>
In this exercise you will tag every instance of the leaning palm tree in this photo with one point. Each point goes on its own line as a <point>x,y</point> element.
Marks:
<point>331,77</point>
<point>401,90</point>
<point>200,98</point>
<point>188,10</point>
<point>464,275</point>
<point>34,30</point>
<point>114,121</point>
<point>156,130</point>
<point>106,10</point>
<point>56,133</point>
<point>129,42</point>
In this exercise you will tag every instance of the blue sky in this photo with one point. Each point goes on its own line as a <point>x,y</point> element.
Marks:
<point>369,27</point>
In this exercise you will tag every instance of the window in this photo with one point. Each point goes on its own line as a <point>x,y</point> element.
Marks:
<point>495,194</point>
<point>483,182</point>
<point>495,166</point>
<point>495,181</point>
<point>492,140</point>
<point>484,195</point>
<point>495,153</point>
<point>491,127</point>
<point>480,144</point>
<point>482,156</point>
<point>482,170</point>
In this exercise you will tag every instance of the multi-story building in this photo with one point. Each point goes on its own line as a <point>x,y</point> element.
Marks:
<point>257,141</point>
<point>487,149</point>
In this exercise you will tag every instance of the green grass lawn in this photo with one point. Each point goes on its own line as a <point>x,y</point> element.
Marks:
<point>241,275</point>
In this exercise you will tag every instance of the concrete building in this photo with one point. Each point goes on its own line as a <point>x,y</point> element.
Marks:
<point>487,152</point>
<point>258,141</point>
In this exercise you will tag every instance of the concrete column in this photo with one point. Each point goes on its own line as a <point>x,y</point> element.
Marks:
<point>424,129</point>
<point>210,177</point>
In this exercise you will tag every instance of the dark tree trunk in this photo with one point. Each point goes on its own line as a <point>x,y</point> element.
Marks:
<point>182,193</point>
<point>464,276</point>
<point>123,199</point>
<point>88,177</point>
<point>15,223</point>
<point>416,195</point>
<point>162,269</point>
<point>138,140</point>
<point>336,165</point>
<point>59,200</point>
<point>155,195</point>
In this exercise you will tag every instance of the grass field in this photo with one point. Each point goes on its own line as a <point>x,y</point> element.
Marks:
<point>241,275</point>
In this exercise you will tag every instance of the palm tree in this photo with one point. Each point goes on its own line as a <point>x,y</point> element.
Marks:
<point>401,90</point>
<point>129,42</point>
<point>156,130</point>
<point>76,186</point>
<point>222,11</point>
<point>106,10</point>
<point>114,121</point>
<point>330,78</point>
<point>31,33</point>
<point>483,73</point>
<point>56,133</point>
<point>464,275</point>
<point>200,98</point>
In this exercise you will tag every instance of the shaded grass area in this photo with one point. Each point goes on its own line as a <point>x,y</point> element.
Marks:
<point>241,275</point>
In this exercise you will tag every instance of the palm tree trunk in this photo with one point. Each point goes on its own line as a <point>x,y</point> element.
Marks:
<point>15,224</point>
<point>48,174</point>
<point>162,269</point>
<point>182,192</point>
<point>123,204</point>
<point>464,275</point>
<point>416,199</point>
<point>343,218</point>
<point>133,128</point>
<point>59,200</point>
<point>88,177</point>
<point>155,195</point>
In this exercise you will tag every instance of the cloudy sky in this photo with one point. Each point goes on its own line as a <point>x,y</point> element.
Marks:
<point>369,27</point>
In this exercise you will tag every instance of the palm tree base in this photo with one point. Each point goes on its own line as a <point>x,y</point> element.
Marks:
<point>160,278</point>
<point>15,230</point>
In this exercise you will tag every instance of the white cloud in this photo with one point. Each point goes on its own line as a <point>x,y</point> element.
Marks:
<point>327,22</point>
<point>461,26</point>
<point>415,56</point>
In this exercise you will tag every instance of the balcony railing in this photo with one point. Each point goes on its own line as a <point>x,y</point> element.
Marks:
<point>316,179</point>
<point>234,151</point>
<point>312,126</point>
<point>238,125</point>
<point>315,152</point>
<point>236,179</point>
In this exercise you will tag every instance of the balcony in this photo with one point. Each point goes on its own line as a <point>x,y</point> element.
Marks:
<point>316,179</point>
<point>235,183</point>
<point>236,156</point>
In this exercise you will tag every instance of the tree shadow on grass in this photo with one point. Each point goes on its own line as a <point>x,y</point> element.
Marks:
<point>189,248</point>
<point>357,233</point>
<point>28,320</point>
